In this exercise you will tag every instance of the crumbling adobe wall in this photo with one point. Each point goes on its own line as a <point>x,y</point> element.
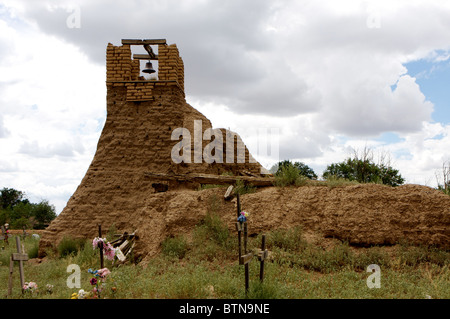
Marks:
<point>136,138</point>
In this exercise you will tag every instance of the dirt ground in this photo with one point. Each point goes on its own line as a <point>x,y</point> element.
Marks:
<point>363,215</point>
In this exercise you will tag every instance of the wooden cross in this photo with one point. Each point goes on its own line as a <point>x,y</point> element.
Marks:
<point>262,255</point>
<point>20,256</point>
<point>100,245</point>
<point>244,259</point>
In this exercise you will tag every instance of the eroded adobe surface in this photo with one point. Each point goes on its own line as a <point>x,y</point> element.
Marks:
<point>136,138</point>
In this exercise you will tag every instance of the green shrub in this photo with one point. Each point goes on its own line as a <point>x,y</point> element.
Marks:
<point>335,181</point>
<point>302,168</point>
<point>87,255</point>
<point>175,247</point>
<point>211,237</point>
<point>263,290</point>
<point>415,255</point>
<point>69,246</point>
<point>302,181</point>
<point>325,261</point>
<point>287,175</point>
<point>33,250</point>
<point>361,168</point>
<point>241,188</point>
<point>216,229</point>
<point>372,255</point>
<point>287,239</point>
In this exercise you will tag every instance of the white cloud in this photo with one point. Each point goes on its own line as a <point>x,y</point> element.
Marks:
<point>52,106</point>
<point>319,71</point>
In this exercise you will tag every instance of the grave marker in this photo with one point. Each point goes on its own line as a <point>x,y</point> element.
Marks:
<point>100,245</point>
<point>244,259</point>
<point>20,256</point>
<point>4,236</point>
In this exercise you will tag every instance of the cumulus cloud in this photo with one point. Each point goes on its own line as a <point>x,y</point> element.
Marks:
<point>277,58</point>
<point>328,75</point>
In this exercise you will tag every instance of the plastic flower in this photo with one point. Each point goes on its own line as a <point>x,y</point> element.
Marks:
<point>103,272</point>
<point>96,241</point>
<point>93,281</point>
<point>243,217</point>
<point>94,272</point>
<point>81,294</point>
<point>30,286</point>
<point>49,288</point>
<point>109,251</point>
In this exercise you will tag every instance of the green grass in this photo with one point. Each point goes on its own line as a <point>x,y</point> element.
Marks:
<point>205,266</point>
<point>334,181</point>
<point>175,247</point>
<point>242,188</point>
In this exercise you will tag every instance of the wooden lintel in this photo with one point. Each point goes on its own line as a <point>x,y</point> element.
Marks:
<point>245,259</point>
<point>212,179</point>
<point>19,257</point>
<point>144,57</point>
<point>145,41</point>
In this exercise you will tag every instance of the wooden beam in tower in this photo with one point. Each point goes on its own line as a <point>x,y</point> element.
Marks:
<point>145,41</point>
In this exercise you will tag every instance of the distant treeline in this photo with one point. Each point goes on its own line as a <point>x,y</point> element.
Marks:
<point>19,212</point>
<point>360,168</point>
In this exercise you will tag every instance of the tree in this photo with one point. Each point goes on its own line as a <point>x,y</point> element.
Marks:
<point>19,212</point>
<point>302,168</point>
<point>443,180</point>
<point>43,214</point>
<point>362,169</point>
<point>10,197</point>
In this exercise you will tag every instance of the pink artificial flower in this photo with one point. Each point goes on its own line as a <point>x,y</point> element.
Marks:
<point>109,251</point>
<point>103,272</point>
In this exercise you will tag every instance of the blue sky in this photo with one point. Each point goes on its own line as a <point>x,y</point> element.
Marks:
<point>433,76</point>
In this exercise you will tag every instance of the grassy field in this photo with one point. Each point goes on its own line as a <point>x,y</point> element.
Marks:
<point>204,265</point>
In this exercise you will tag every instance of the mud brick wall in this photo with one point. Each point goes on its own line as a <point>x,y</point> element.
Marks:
<point>119,66</point>
<point>170,64</point>
<point>139,91</point>
<point>136,138</point>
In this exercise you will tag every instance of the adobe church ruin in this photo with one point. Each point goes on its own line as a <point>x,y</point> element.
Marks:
<point>134,184</point>
<point>137,141</point>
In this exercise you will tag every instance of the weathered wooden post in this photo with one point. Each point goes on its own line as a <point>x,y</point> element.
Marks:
<point>100,245</point>
<point>239,226</point>
<point>244,259</point>
<point>20,256</point>
<point>246,264</point>
<point>262,256</point>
